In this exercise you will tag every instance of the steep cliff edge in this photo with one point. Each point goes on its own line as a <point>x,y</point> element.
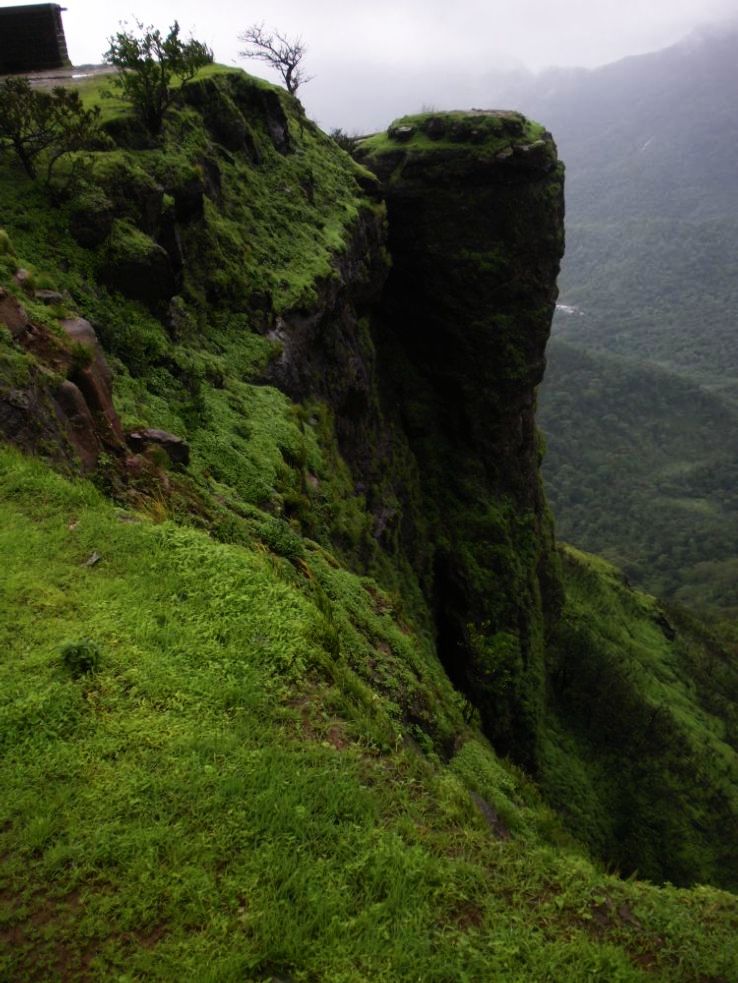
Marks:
<point>475,207</point>
<point>323,611</point>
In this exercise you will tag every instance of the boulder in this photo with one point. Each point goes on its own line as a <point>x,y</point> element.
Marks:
<point>435,127</point>
<point>80,426</point>
<point>82,332</point>
<point>139,268</point>
<point>48,297</point>
<point>91,219</point>
<point>95,381</point>
<point>12,315</point>
<point>176,448</point>
<point>401,133</point>
<point>24,279</point>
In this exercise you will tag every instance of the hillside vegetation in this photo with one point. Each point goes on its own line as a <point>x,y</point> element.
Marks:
<point>651,264</point>
<point>232,747</point>
<point>640,466</point>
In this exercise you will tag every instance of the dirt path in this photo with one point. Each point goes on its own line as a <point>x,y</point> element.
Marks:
<point>65,76</point>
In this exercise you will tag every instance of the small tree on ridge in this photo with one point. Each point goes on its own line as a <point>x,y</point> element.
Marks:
<point>148,62</point>
<point>34,122</point>
<point>282,53</point>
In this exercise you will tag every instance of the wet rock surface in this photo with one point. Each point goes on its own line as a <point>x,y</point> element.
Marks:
<point>476,235</point>
<point>12,315</point>
<point>69,418</point>
<point>176,449</point>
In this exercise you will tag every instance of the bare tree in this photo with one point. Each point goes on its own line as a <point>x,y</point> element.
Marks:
<point>282,53</point>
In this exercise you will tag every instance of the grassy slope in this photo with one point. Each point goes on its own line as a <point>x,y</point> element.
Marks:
<point>266,235</point>
<point>239,792</point>
<point>224,799</point>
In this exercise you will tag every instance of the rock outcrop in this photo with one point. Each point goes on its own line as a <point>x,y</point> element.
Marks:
<point>475,210</point>
<point>61,402</point>
<point>173,446</point>
<point>350,354</point>
<point>430,366</point>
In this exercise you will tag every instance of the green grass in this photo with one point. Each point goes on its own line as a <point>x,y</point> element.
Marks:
<point>489,134</point>
<point>215,801</point>
<point>274,232</point>
<point>278,226</point>
<point>262,770</point>
<point>102,91</point>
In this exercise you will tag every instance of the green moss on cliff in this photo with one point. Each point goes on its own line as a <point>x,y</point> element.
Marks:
<point>362,496</point>
<point>251,230</point>
<point>480,133</point>
<point>468,304</point>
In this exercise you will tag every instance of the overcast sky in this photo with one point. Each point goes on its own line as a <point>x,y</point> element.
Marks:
<point>381,57</point>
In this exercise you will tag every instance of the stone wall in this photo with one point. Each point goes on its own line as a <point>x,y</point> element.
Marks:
<point>32,38</point>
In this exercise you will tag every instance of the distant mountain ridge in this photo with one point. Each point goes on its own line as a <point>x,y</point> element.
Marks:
<point>650,144</point>
<point>664,120</point>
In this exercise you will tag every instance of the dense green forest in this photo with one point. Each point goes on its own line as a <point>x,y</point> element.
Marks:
<point>642,449</point>
<point>641,466</point>
<point>657,290</point>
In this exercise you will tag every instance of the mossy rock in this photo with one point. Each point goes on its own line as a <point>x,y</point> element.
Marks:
<point>131,189</point>
<point>127,131</point>
<point>221,115</point>
<point>264,102</point>
<point>138,267</point>
<point>91,217</point>
<point>460,146</point>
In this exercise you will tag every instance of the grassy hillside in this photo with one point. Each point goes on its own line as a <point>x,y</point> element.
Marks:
<point>223,797</point>
<point>643,712</point>
<point>230,750</point>
<point>264,241</point>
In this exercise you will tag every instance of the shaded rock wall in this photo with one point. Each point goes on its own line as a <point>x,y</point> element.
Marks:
<point>475,208</point>
<point>431,370</point>
<point>60,404</point>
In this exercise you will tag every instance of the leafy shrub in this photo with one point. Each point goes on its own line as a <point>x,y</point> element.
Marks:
<point>281,539</point>
<point>34,122</point>
<point>81,658</point>
<point>148,63</point>
<point>346,141</point>
<point>6,247</point>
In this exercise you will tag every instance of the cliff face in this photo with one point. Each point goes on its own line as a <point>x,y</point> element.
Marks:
<point>345,380</point>
<point>431,374</point>
<point>475,210</point>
